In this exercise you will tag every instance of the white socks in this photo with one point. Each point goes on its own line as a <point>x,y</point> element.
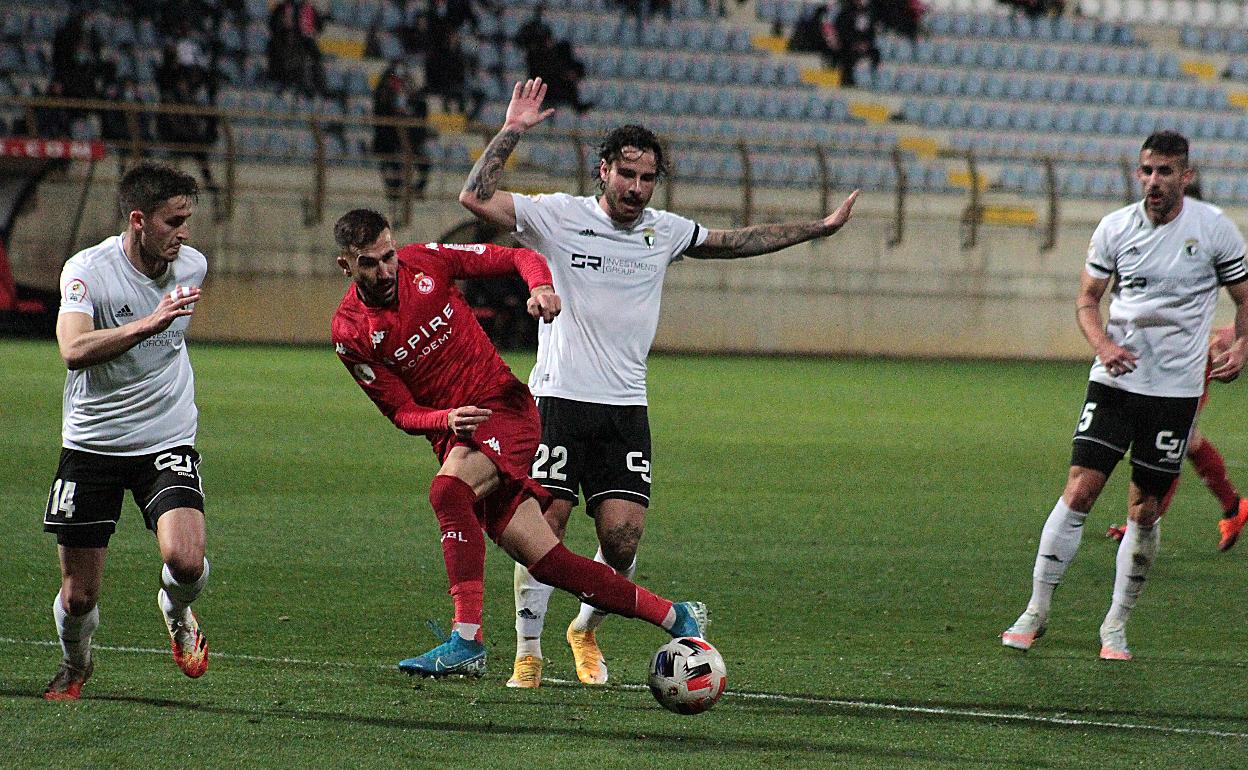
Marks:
<point>532,598</point>
<point>591,617</point>
<point>1059,542</point>
<point>1136,555</point>
<point>532,601</point>
<point>75,633</point>
<point>178,596</point>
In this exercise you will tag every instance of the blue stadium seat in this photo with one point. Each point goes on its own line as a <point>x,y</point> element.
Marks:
<point>725,102</point>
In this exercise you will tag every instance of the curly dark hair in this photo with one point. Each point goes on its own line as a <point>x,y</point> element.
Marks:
<point>146,186</point>
<point>612,147</point>
<point>358,228</point>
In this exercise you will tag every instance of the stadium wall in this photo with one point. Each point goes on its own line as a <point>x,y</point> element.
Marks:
<point>273,277</point>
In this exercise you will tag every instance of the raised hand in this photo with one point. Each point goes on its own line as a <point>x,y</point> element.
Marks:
<point>525,109</point>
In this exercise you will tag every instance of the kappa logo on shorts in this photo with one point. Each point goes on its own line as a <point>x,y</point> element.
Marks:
<point>492,443</point>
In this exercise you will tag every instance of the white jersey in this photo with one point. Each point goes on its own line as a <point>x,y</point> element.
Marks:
<point>610,278</point>
<point>1165,292</point>
<point>143,400</point>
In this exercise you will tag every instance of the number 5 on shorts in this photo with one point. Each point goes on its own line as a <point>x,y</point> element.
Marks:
<point>1085,420</point>
<point>62,498</point>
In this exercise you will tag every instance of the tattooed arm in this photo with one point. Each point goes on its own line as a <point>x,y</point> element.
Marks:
<point>764,239</point>
<point>481,195</point>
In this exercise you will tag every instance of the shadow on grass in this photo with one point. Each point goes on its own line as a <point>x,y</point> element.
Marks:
<point>627,738</point>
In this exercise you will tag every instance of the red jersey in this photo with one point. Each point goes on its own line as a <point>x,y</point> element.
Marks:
<point>426,354</point>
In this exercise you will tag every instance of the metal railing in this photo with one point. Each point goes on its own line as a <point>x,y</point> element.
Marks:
<point>140,139</point>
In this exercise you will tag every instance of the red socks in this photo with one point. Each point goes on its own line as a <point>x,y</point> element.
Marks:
<point>463,546</point>
<point>599,585</point>
<point>1212,469</point>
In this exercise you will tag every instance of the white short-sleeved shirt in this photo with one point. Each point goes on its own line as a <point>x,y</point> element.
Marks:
<point>1165,291</point>
<point>142,401</point>
<point>610,278</point>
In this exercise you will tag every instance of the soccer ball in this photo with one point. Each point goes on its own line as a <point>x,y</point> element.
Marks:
<point>687,675</point>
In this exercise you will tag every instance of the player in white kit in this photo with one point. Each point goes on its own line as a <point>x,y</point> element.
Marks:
<point>608,255</point>
<point>1167,255</point>
<point>129,418</point>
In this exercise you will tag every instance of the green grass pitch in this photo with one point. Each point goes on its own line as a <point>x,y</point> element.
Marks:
<point>862,531</point>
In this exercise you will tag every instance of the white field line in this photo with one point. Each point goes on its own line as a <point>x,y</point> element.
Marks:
<point>862,705</point>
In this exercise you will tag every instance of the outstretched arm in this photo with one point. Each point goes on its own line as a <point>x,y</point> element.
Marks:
<point>764,239</point>
<point>1230,362</point>
<point>481,195</point>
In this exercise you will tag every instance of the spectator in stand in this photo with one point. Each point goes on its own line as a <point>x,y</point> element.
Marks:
<point>191,134</point>
<point>856,30</point>
<point>294,54</point>
<point>451,73</point>
<point>534,30</point>
<point>815,33</point>
<point>397,97</point>
<point>556,64</point>
<point>447,16</point>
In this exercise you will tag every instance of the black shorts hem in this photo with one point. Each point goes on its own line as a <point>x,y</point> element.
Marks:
<point>591,504</point>
<point>88,536</point>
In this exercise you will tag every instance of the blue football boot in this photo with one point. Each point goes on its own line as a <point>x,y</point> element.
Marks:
<point>692,618</point>
<point>464,657</point>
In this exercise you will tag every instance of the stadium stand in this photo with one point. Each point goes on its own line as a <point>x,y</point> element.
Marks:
<point>979,78</point>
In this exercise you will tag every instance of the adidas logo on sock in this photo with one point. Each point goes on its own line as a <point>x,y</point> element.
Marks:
<point>125,312</point>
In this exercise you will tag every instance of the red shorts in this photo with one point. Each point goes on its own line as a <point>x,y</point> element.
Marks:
<point>509,438</point>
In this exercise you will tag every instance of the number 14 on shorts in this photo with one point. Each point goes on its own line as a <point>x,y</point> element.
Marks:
<point>61,501</point>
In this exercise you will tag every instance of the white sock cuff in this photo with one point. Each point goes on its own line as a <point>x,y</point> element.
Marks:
<point>74,628</point>
<point>183,593</point>
<point>1068,512</point>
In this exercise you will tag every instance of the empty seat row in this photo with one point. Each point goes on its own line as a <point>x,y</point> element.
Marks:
<point>1089,60</point>
<point>1035,88</point>
<point>1023,27</point>
<point>1225,13</point>
<point>744,69</point>
<point>715,102</point>
<point>1215,39</point>
<point>949,113</point>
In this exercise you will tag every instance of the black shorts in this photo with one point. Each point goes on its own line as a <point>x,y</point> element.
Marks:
<point>84,505</point>
<point>1154,427</point>
<point>599,449</point>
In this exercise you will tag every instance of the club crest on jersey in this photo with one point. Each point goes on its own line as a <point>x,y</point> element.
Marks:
<point>76,291</point>
<point>648,236</point>
<point>424,284</point>
<point>1190,246</point>
<point>377,337</point>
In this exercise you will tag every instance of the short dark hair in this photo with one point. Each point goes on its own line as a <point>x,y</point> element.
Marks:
<point>1172,144</point>
<point>149,184</point>
<point>358,228</point>
<point>612,147</point>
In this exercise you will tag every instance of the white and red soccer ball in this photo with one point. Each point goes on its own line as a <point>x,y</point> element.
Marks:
<point>687,675</point>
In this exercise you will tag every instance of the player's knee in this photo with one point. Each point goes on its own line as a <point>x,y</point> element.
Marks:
<point>1152,483</point>
<point>79,599</point>
<point>447,493</point>
<point>619,545</point>
<point>186,566</point>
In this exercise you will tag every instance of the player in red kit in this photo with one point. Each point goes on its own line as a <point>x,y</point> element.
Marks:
<point>411,342</point>
<point>1208,462</point>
